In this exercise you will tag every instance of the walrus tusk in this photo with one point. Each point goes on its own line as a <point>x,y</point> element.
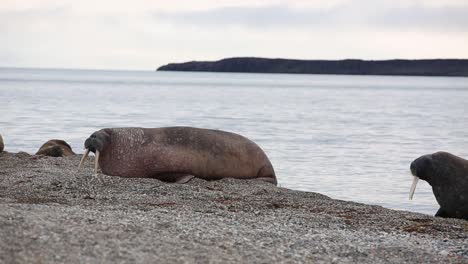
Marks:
<point>84,158</point>
<point>96,162</point>
<point>413,187</point>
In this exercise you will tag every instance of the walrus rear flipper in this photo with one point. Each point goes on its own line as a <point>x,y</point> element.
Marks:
<point>442,213</point>
<point>266,173</point>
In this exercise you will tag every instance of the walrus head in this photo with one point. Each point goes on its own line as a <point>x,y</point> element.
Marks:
<point>421,168</point>
<point>437,169</point>
<point>96,143</point>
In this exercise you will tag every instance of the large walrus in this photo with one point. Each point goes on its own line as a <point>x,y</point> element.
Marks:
<point>55,148</point>
<point>448,176</point>
<point>1,144</point>
<point>178,154</point>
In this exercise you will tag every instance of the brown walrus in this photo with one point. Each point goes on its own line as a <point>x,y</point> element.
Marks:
<point>55,148</point>
<point>448,176</point>
<point>178,154</point>
<point>1,144</point>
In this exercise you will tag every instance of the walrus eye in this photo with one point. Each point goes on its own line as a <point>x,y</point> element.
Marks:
<point>413,187</point>
<point>84,158</point>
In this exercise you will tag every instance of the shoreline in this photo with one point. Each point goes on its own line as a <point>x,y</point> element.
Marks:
<point>50,212</point>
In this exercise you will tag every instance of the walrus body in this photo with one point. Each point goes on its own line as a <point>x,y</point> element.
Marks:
<point>1,144</point>
<point>177,154</point>
<point>448,176</point>
<point>55,148</point>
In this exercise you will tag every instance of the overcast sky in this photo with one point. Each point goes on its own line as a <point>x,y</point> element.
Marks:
<point>144,34</point>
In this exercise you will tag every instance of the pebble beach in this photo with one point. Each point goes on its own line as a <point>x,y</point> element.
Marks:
<point>52,213</point>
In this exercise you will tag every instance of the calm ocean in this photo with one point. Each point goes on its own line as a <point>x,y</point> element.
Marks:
<point>349,137</point>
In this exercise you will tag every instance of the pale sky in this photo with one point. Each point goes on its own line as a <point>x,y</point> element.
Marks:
<point>145,34</point>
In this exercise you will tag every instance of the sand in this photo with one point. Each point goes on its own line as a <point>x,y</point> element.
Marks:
<point>51,213</point>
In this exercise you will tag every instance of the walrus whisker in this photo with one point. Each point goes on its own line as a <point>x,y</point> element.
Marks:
<point>413,187</point>
<point>96,162</point>
<point>84,158</point>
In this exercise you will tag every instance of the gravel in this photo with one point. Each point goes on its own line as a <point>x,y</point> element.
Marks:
<point>52,213</point>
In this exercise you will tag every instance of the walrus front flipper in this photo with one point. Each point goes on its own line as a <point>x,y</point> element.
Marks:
<point>184,178</point>
<point>442,213</point>
<point>175,177</point>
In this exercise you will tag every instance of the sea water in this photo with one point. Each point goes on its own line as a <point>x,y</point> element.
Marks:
<point>348,137</point>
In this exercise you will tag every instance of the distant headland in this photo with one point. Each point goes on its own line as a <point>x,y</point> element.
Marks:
<point>425,67</point>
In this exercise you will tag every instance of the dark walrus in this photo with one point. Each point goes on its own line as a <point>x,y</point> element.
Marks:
<point>55,148</point>
<point>448,176</point>
<point>1,144</point>
<point>177,154</point>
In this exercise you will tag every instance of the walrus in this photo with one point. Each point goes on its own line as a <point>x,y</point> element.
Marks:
<point>448,176</point>
<point>177,154</point>
<point>2,146</point>
<point>55,148</point>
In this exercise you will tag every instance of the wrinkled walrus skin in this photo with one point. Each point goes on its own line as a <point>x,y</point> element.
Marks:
<point>177,154</point>
<point>448,176</point>
<point>55,148</point>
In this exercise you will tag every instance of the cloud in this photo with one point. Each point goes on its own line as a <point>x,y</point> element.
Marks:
<point>141,6</point>
<point>426,18</point>
<point>270,16</point>
<point>144,34</point>
<point>368,14</point>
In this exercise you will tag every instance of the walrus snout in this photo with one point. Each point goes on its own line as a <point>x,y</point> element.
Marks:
<point>413,169</point>
<point>421,167</point>
<point>95,143</point>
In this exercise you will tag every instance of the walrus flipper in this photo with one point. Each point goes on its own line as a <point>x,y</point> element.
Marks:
<point>442,213</point>
<point>175,177</point>
<point>267,174</point>
<point>184,178</point>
